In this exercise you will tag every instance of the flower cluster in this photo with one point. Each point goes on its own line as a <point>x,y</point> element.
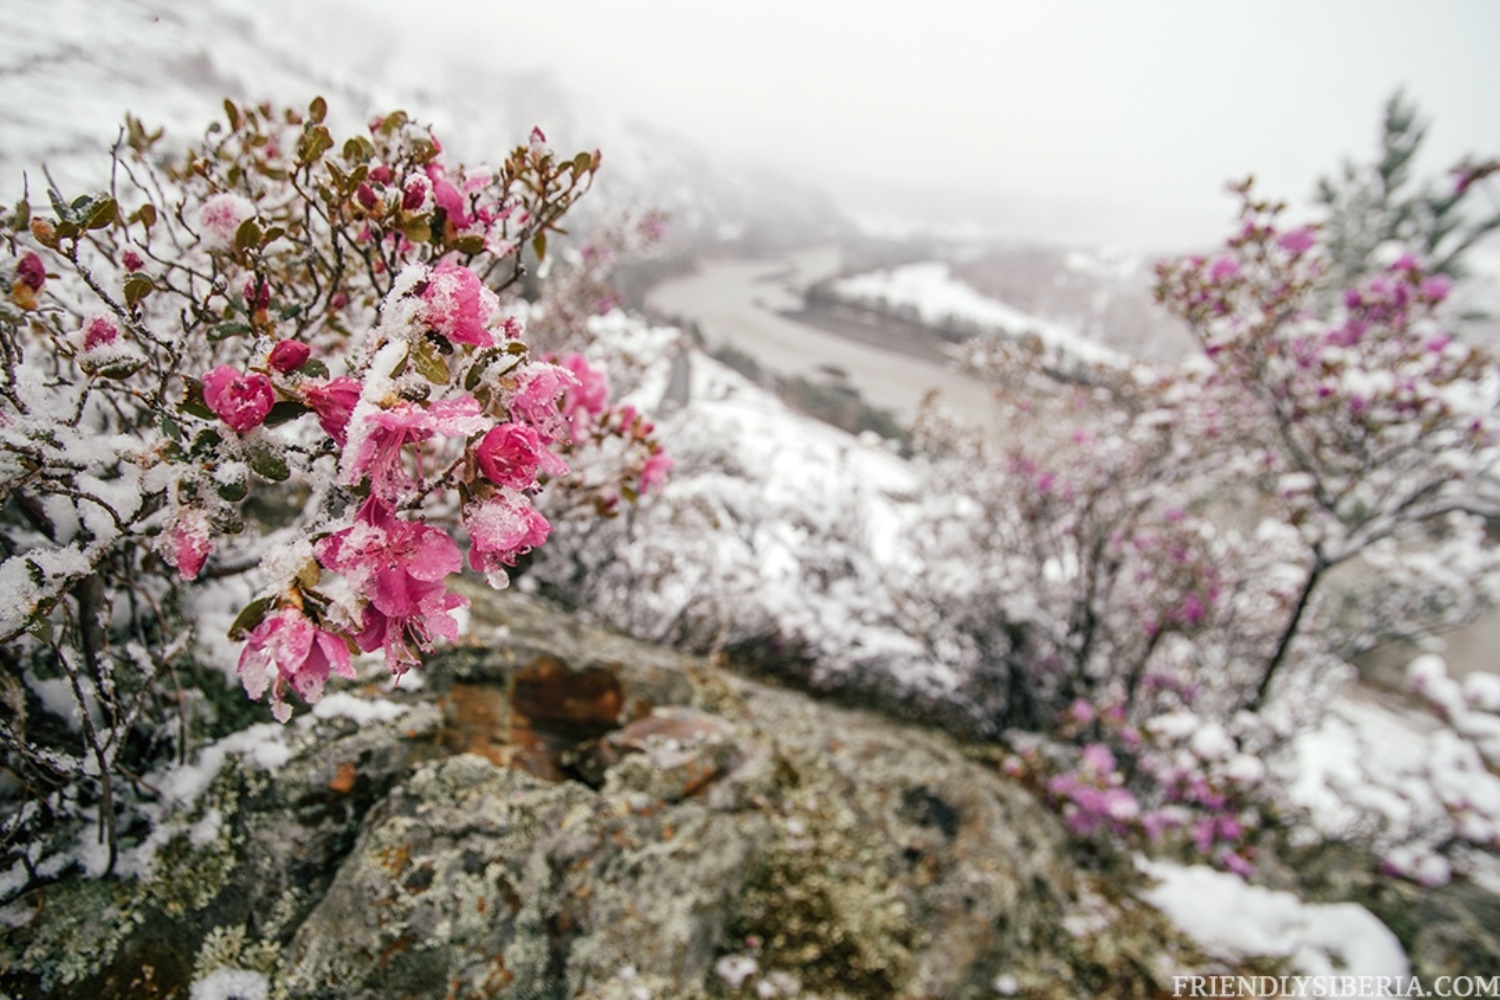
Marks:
<point>292,355</point>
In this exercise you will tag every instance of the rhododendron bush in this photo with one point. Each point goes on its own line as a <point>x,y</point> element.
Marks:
<point>1180,563</point>
<point>282,356</point>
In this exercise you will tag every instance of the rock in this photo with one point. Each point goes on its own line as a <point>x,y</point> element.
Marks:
<point>574,814</point>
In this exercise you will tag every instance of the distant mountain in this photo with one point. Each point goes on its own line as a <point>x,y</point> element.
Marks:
<point>72,69</point>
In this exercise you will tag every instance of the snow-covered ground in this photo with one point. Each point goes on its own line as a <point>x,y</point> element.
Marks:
<point>938,297</point>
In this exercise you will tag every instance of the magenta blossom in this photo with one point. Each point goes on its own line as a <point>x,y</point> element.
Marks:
<point>289,355</point>
<point>1297,241</point>
<point>221,217</point>
<point>377,452</point>
<point>535,400</point>
<point>31,272</point>
<point>586,400</point>
<point>99,331</point>
<point>512,454</point>
<point>459,306</point>
<point>333,401</point>
<point>286,648</point>
<point>241,400</point>
<point>654,471</point>
<point>187,542</point>
<point>398,568</point>
<point>501,530</point>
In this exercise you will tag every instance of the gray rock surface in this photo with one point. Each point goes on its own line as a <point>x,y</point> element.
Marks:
<point>574,814</point>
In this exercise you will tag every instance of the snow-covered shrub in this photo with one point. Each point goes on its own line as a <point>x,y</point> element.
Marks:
<point>1204,548</point>
<point>283,358</point>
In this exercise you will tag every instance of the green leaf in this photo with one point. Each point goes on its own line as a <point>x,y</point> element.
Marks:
<point>583,163</point>
<point>63,212</point>
<point>171,428</point>
<point>471,244</point>
<point>192,400</point>
<point>314,143</point>
<point>248,235</point>
<point>267,462</point>
<point>539,246</point>
<point>429,363</point>
<point>283,411</point>
<point>271,236</point>
<point>253,614</point>
<point>102,214</point>
<point>318,109</point>
<point>359,150</point>
<point>146,214</point>
<point>137,287</point>
<point>23,214</point>
<point>232,113</point>
<point>226,330</point>
<point>417,230</point>
<point>315,369</point>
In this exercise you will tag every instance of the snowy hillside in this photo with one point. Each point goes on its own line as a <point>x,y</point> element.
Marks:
<point>173,64</point>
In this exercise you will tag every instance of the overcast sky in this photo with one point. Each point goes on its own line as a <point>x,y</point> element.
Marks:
<point>1121,116</point>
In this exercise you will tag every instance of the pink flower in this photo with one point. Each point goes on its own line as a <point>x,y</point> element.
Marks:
<point>333,401</point>
<point>289,355</point>
<point>1097,758</point>
<point>287,648</point>
<point>501,530</point>
<point>99,331</point>
<point>459,306</point>
<point>585,400</point>
<point>536,396</point>
<point>654,472</point>
<point>366,196</point>
<point>1223,267</point>
<point>447,197</point>
<point>378,451</point>
<point>511,454</point>
<point>397,567</point>
<point>31,272</point>
<point>1436,287</point>
<point>414,194</point>
<point>1297,241</point>
<point>187,542</point>
<point>380,174</point>
<point>133,261</point>
<point>221,217</point>
<point>240,400</point>
<point>257,294</point>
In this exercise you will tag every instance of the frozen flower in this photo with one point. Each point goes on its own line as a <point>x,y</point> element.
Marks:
<point>501,530</point>
<point>535,400</point>
<point>285,649</point>
<point>414,193</point>
<point>221,217</point>
<point>333,401</point>
<point>398,568</point>
<point>378,453</point>
<point>447,197</point>
<point>289,355</point>
<point>241,400</point>
<point>99,331</point>
<point>511,455</point>
<point>187,542</point>
<point>586,399</point>
<point>366,196</point>
<point>459,306</point>
<point>257,294</point>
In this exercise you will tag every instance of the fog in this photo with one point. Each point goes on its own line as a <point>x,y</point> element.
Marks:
<point>1085,121</point>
